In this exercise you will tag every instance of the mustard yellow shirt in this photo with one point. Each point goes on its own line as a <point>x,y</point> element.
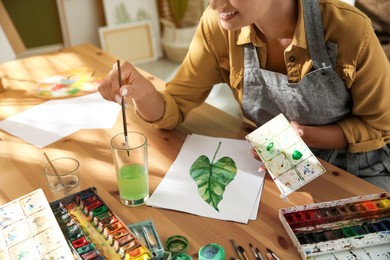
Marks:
<point>216,55</point>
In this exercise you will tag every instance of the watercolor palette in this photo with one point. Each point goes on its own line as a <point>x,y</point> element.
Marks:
<point>287,158</point>
<point>28,230</point>
<point>70,83</point>
<point>93,231</point>
<point>343,227</point>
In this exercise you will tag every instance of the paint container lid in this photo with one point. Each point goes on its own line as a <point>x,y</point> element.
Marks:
<point>212,252</point>
<point>177,244</point>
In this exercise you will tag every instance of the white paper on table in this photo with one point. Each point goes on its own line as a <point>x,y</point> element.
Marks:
<point>50,121</point>
<point>255,209</point>
<point>178,191</point>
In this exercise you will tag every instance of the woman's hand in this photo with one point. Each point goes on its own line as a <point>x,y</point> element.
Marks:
<point>147,100</point>
<point>256,156</point>
<point>297,127</point>
<point>134,84</point>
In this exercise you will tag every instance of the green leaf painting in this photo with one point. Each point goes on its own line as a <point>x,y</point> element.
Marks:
<point>212,178</point>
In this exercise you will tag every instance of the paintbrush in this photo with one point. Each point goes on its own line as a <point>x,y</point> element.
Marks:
<point>269,252</point>
<point>123,107</point>
<point>243,253</point>
<point>55,172</point>
<point>237,249</point>
<point>255,253</point>
<point>259,254</point>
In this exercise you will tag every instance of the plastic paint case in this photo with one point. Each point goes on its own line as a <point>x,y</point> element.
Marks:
<point>336,226</point>
<point>94,231</point>
<point>147,234</point>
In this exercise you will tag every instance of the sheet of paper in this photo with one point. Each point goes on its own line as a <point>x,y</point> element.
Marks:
<point>50,121</point>
<point>178,191</point>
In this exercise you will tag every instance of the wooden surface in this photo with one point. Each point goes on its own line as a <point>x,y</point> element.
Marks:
<point>21,164</point>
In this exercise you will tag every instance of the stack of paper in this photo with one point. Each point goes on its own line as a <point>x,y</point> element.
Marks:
<point>241,197</point>
<point>50,121</point>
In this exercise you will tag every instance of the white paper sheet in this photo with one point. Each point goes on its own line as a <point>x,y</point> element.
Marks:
<point>178,191</point>
<point>50,121</point>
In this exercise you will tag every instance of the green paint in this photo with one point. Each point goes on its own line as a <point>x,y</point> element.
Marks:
<point>297,155</point>
<point>74,91</point>
<point>133,182</point>
<point>270,146</point>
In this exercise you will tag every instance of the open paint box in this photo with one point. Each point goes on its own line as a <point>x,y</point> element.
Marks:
<point>79,226</point>
<point>93,231</point>
<point>357,226</point>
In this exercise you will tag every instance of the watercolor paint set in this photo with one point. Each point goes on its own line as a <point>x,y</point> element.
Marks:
<point>29,230</point>
<point>287,158</point>
<point>93,231</point>
<point>353,226</point>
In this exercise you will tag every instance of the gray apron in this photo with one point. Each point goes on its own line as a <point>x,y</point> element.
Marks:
<point>320,98</point>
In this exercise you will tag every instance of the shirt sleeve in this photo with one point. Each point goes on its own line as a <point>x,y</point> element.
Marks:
<point>197,74</point>
<point>369,126</point>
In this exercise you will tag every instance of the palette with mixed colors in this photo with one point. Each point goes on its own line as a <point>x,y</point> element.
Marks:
<point>338,229</point>
<point>28,230</point>
<point>70,83</point>
<point>93,231</point>
<point>287,158</point>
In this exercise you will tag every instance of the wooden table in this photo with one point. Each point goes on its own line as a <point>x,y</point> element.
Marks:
<point>21,164</point>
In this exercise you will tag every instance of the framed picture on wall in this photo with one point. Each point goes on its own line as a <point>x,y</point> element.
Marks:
<point>132,42</point>
<point>119,12</point>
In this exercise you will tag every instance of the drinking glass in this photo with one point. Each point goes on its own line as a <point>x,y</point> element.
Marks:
<point>131,167</point>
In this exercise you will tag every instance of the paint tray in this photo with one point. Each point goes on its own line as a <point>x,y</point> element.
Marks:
<point>93,231</point>
<point>335,229</point>
<point>29,230</point>
<point>147,234</point>
<point>287,158</point>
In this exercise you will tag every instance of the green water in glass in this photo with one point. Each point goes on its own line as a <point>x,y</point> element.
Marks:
<point>133,182</point>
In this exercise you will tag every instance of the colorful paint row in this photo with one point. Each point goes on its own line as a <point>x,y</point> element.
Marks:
<point>322,229</point>
<point>93,231</point>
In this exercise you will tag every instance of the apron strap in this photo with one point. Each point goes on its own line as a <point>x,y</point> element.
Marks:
<point>315,34</point>
<point>251,59</point>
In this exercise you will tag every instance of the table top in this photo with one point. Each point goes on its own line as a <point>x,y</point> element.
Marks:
<point>22,164</point>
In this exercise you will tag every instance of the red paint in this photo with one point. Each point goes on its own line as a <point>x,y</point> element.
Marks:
<point>369,205</point>
<point>80,242</point>
<point>87,201</point>
<point>92,206</point>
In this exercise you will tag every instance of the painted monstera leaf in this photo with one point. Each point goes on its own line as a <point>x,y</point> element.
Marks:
<point>212,178</point>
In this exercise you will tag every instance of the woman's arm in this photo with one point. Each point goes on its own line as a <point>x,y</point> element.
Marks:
<point>322,137</point>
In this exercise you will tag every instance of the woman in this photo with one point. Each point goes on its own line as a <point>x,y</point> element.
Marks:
<point>318,63</point>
